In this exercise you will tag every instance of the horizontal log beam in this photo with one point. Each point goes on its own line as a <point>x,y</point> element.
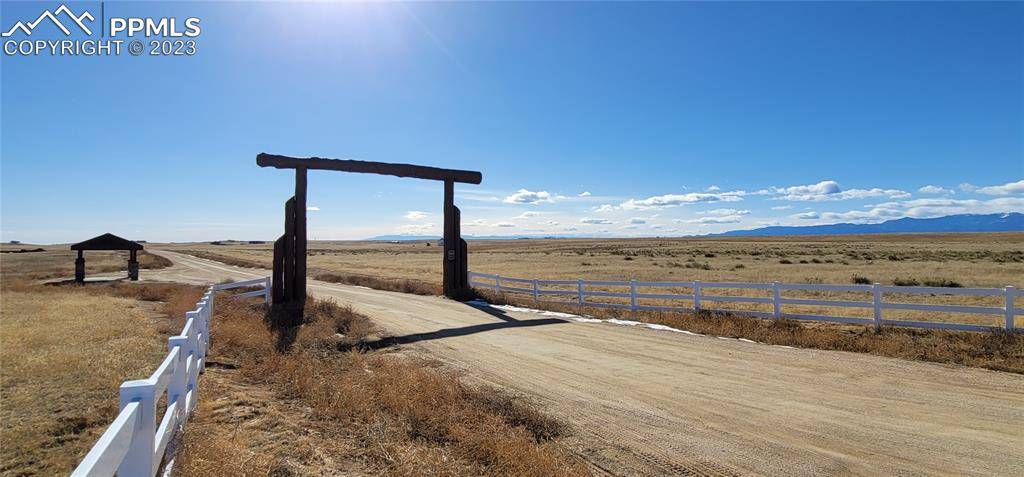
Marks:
<point>366,167</point>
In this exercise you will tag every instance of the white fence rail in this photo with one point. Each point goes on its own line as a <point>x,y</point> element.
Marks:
<point>698,297</point>
<point>134,444</point>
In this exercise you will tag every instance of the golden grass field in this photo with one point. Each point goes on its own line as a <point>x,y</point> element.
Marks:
<point>64,350</point>
<point>969,260</point>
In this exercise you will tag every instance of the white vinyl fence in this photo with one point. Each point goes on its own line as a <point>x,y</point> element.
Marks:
<point>539,289</point>
<point>134,444</point>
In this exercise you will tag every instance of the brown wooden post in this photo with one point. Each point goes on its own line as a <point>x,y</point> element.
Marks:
<point>450,254</point>
<point>133,265</point>
<point>80,267</point>
<point>300,237</point>
<point>288,280</point>
<point>277,281</point>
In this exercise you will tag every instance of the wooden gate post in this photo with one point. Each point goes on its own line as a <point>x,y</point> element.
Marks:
<point>299,279</point>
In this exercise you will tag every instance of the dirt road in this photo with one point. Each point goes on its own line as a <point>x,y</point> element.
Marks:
<point>649,402</point>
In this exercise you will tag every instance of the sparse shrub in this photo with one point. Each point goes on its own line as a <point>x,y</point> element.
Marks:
<point>815,260</point>
<point>803,261</point>
<point>942,282</point>
<point>859,280</point>
<point>709,255</point>
<point>785,262</point>
<point>627,258</point>
<point>738,266</point>
<point>905,282</point>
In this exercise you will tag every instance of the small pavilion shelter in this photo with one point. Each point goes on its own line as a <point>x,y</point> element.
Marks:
<point>107,242</point>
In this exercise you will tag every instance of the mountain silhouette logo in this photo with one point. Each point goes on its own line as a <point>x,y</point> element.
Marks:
<point>77,19</point>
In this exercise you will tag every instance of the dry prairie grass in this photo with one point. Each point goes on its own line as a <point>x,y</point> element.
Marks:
<point>64,351</point>
<point>58,262</point>
<point>392,414</point>
<point>971,260</point>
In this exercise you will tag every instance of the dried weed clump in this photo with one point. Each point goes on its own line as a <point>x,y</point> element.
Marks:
<point>399,415</point>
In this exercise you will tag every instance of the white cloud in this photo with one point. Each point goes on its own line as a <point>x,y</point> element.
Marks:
<point>629,227</point>
<point>676,200</point>
<point>551,222</point>
<point>782,207</point>
<point>807,215</point>
<point>313,208</point>
<point>1010,188</point>
<point>415,228</point>
<point>931,189</point>
<point>727,219</point>
<point>967,187</point>
<point>830,190</point>
<point>523,196</point>
<point>525,215</point>
<point>604,208</point>
<point>724,212</point>
<point>478,222</point>
<point>584,194</point>
<point>714,188</point>
<point>928,208</point>
<point>415,215</point>
<point>638,220</point>
<point>588,220</point>
<point>504,224</point>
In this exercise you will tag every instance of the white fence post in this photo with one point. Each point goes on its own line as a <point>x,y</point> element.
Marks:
<point>266,291</point>
<point>579,292</point>
<point>696,295</point>
<point>197,329</point>
<point>497,283</point>
<point>632,295</point>
<point>1011,292</point>
<point>876,293</point>
<point>139,459</point>
<point>536,290</point>
<point>776,301</point>
<point>177,387</point>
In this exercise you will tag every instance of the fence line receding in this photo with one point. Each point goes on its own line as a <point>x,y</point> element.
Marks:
<point>135,443</point>
<point>578,293</point>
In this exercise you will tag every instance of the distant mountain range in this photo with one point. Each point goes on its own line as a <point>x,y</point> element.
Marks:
<point>1011,222</point>
<point>417,238</point>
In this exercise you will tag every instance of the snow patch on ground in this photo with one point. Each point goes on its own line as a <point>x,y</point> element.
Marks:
<point>584,319</point>
<point>612,321</point>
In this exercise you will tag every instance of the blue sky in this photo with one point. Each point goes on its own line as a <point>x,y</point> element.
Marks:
<point>606,119</point>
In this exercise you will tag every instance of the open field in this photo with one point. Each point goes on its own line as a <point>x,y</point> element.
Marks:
<point>64,351</point>
<point>969,260</point>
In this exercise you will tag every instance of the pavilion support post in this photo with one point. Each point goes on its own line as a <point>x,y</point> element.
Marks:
<point>80,267</point>
<point>133,265</point>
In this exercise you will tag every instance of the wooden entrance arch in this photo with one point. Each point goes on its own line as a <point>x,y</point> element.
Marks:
<point>289,282</point>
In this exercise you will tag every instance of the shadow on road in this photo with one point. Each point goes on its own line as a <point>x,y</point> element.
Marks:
<point>506,322</point>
